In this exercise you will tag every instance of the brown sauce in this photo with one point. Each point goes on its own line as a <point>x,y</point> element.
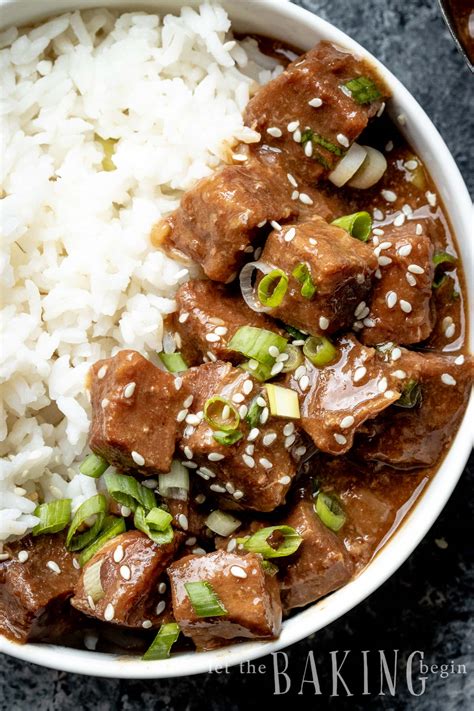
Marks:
<point>461,13</point>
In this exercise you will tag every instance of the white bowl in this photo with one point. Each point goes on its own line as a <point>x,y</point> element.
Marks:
<point>300,28</point>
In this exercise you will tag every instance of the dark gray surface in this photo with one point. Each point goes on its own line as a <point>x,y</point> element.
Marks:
<point>427,605</point>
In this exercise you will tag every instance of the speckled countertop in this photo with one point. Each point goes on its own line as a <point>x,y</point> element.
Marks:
<point>428,604</point>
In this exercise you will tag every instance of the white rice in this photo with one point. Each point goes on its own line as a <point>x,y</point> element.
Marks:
<point>80,278</point>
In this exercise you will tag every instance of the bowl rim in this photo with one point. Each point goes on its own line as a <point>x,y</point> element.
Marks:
<point>287,18</point>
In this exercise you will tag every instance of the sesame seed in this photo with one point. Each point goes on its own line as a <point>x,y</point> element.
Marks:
<point>225,412</point>
<point>297,136</point>
<point>273,351</point>
<point>340,439</point>
<point>411,164</point>
<point>200,499</point>
<point>249,449</point>
<point>399,374</point>
<point>230,487</point>
<point>300,371</point>
<point>389,146</point>
<point>183,317</point>
<point>188,452</point>
<point>150,483</point>
<point>211,356</point>
<point>208,472</point>
<point>232,545</point>
<point>288,429</point>
<point>378,214</point>
<point>23,556</point>
<point>410,279</point>
<point>391,299</point>
<point>137,458</point>
<point>292,180</point>
<point>189,465</point>
<point>265,415</point>
<point>396,353</point>
<point>118,554</point>
<point>299,451</point>
<point>248,460</point>
<point>238,494</point>
<point>295,195</point>
<point>305,199</point>
<point>105,402</point>
<point>125,511</point>
<point>359,309</point>
<point>190,542</point>
<point>308,149</point>
<point>402,119</point>
<point>253,434</point>
<point>193,419</point>
<point>146,624</point>
<point>183,521</point>
<point>292,126</point>
<point>247,387</point>
<point>419,229</point>
<point>399,220</point>
<point>405,306</point>
<point>378,274</point>
<point>431,197</point>
<point>316,102</point>
<point>162,588</point>
<point>450,330</point>
<point>389,394</point>
<point>284,480</point>
<point>304,382</point>
<point>384,261</point>
<point>238,398</point>
<point>261,401</point>
<point>76,564</point>
<point>188,402</point>
<point>343,140</point>
<point>275,132</point>
<point>125,572</point>
<point>289,441</point>
<point>237,571</point>
<point>178,383</point>
<point>407,210</point>
<point>405,250</point>
<point>415,269</point>
<point>382,385</point>
<point>129,389</point>
<point>459,360</point>
<point>276,225</point>
<point>212,337</point>
<point>269,438</point>
<point>215,457</point>
<point>53,566</point>
<point>101,372</point>
<point>347,422</point>
<point>323,323</point>
<point>266,463</point>
<point>388,195</point>
<point>448,379</point>
<point>90,602</point>
<point>181,415</point>
<point>290,234</point>
<point>160,607</point>
<point>359,373</point>
<point>369,322</point>
<point>243,410</point>
<point>199,551</point>
<point>277,368</point>
<point>298,342</point>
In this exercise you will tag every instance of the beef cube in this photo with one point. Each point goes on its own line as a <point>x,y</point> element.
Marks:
<point>255,473</point>
<point>189,517</point>
<point>340,397</point>
<point>400,309</point>
<point>320,565</point>
<point>132,566</point>
<point>340,267</point>
<point>285,112</point>
<point>419,436</point>
<point>207,318</point>
<point>249,595</point>
<point>134,409</point>
<point>34,593</point>
<point>217,223</point>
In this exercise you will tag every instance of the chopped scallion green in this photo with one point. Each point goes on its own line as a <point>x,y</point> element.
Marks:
<point>359,225</point>
<point>221,415</point>
<point>303,274</point>
<point>363,90</point>
<point>160,648</point>
<point>295,358</point>
<point>284,540</point>
<point>53,516</point>
<point>330,511</point>
<point>96,507</point>
<point>272,288</point>
<point>129,492</point>
<point>204,600</point>
<point>94,465</point>
<point>256,343</point>
<point>113,526</point>
<point>410,396</point>
<point>160,537</point>
<point>173,362</point>
<point>320,351</point>
<point>227,438</point>
<point>158,519</point>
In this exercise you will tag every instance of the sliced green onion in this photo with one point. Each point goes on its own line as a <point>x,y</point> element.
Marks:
<point>160,648</point>
<point>410,395</point>
<point>94,465</point>
<point>159,537</point>
<point>222,523</point>
<point>204,600</point>
<point>443,258</point>
<point>227,438</point>
<point>92,581</point>
<point>320,351</point>
<point>53,516</point>
<point>272,288</point>
<point>158,519</point>
<point>255,343</point>
<point>283,402</point>
<point>269,568</point>
<point>288,540</point>
<point>363,90</point>
<point>298,335</point>
<point>254,413</point>
<point>113,526</point>
<point>173,362</point>
<point>359,225</point>
<point>175,483</point>
<point>95,506</point>
<point>257,370</point>
<point>303,274</point>
<point>128,492</point>
<point>330,511</point>
<point>295,358</point>
<point>310,135</point>
<point>221,414</point>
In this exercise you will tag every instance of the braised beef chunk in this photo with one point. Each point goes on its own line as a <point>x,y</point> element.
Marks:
<point>256,471</point>
<point>249,596</point>
<point>335,400</point>
<point>217,223</point>
<point>35,592</point>
<point>129,568</point>
<point>310,101</point>
<point>418,436</point>
<point>134,409</point>
<point>340,268</point>
<point>400,308</point>
<point>321,563</point>
<point>207,318</point>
